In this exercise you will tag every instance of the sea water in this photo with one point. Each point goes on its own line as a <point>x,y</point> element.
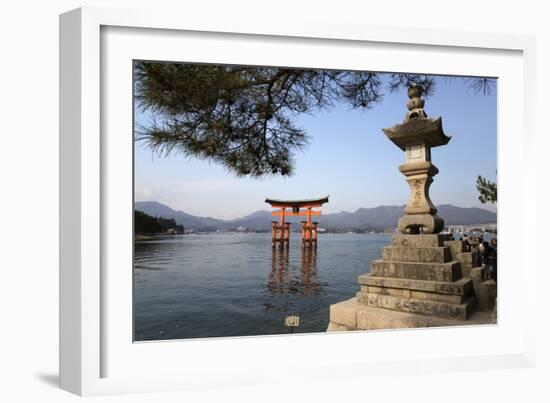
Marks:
<point>235,284</point>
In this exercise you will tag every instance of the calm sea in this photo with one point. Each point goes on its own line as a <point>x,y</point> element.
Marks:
<point>216,285</point>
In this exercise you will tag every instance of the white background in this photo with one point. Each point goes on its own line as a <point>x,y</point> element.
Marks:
<point>29,201</point>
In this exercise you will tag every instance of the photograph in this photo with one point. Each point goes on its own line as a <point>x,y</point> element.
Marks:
<point>257,201</point>
<point>274,200</point>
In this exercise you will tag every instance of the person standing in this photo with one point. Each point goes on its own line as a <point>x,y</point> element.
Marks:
<point>466,242</point>
<point>492,259</point>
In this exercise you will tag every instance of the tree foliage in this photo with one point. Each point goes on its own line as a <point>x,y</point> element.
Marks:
<point>487,190</point>
<point>242,116</point>
<point>146,224</point>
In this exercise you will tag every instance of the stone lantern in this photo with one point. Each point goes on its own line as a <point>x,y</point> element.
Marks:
<point>424,278</point>
<point>416,136</point>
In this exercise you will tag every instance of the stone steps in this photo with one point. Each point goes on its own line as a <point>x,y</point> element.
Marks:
<point>416,255</point>
<point>407,293</point>
<point>460,287</point>
<point>418,305</point>
<point>449,271</point>
<point>350,315</point>
<point>415,241</point>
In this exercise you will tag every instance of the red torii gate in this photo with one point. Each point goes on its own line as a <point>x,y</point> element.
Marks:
<point>280,230</point>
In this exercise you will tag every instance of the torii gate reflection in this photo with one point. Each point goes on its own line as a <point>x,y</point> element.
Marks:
<point>290,280</point>
<point>280,231</point>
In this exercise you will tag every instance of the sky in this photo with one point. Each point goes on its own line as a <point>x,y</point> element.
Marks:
<point>349,158</point>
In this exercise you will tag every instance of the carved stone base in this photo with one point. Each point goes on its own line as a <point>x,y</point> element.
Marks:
<point>414,223</point>
<point>351,315</point>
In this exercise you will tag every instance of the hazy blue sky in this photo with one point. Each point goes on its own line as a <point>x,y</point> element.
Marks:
<point>349,158</point>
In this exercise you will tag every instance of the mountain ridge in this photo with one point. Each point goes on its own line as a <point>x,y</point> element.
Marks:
<point>364,218</point>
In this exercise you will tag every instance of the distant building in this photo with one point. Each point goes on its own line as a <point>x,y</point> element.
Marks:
<point>172,231</point>
<point>466,229</point>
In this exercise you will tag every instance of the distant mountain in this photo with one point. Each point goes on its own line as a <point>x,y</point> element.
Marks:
<point>258,220</point>
<point>376,218</point>
<point>454,215</point>
<point>189,221</point>
<point>372,218</point>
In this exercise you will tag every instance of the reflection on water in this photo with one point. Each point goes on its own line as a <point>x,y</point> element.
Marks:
<point>288,278</point>
<point>310,285</point>
<point>214,285</point>
<point>279,271</point>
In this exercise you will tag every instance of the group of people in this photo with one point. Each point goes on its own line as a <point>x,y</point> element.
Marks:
<point>486,252</point>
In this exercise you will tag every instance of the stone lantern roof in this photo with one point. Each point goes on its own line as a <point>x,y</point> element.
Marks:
<point>417,126</point>
<point>419,130</point>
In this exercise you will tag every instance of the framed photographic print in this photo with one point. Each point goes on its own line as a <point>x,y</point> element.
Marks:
<point>237,199</point>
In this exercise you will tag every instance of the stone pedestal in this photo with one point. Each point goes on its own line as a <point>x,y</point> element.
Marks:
<point>419,282</point>
<point>416,275</point>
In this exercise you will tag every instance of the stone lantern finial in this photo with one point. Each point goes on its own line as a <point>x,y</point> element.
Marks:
<point>415,104</point>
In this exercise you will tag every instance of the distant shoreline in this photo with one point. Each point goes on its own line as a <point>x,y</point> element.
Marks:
<point>157,237</point>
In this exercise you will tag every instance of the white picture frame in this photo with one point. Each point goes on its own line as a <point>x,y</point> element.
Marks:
<point>97,357</point>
